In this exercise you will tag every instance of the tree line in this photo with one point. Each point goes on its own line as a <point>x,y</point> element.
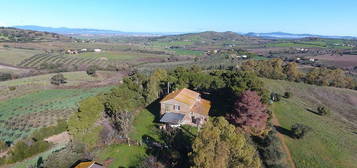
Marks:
<point>277,69</point>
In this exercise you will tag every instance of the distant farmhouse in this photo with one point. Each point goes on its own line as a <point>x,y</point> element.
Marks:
<point>184,106</point>
<point>72,52</point>
<point>97,50</point>
<point>83,50</point>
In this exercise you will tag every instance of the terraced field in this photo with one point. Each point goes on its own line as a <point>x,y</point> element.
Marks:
<point>116,55</point>
<point>37,60</point>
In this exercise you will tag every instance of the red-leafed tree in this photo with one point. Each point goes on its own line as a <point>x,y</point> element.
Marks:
<point>249,113</point>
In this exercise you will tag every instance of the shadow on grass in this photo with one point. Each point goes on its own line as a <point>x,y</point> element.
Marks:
<point>312,111</point>
<point>284,131</point>
<point>154,108</point>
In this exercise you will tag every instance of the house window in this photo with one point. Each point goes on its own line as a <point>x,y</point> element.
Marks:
<point>176,107</point>
<point>167,108</point>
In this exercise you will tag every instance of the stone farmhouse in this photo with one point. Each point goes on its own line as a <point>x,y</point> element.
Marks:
<point>184,106</point>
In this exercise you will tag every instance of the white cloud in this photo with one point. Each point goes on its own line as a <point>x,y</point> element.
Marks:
<point>2,24</point>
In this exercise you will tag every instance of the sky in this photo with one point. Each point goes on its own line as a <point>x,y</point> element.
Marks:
<point>325,17</point>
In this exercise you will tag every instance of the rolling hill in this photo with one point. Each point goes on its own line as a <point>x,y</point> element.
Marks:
<point>332,142</point>
<point>9,34</point>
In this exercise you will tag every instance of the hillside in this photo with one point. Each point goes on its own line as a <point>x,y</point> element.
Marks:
<point>332,143</point>
<point>8,34</point>
<point>212,38</point>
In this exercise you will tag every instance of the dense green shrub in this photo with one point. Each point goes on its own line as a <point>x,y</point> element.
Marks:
<point>275,97</point>
<point>300,130</point>
<point>322,110</point>
<point>81,123</point>
<point>58,79</point>
<point>91,70</point>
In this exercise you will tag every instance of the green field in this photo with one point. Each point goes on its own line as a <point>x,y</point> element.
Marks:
<point>332,143</point>
<point>21,115</point>
<point>188,52</point>
<point>122,155</point>
<point>321,43</point>
<point>13,56</point>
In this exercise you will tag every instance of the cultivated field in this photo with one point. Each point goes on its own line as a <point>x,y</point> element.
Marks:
<point>13,56</point>
<point>21,115</point>
<point>333,141</point>
<point>345,61</point>
<point>78,79</point>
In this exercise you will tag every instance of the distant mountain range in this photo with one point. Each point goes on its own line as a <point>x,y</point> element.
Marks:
<point>101,32</point>
<point>283,35</point>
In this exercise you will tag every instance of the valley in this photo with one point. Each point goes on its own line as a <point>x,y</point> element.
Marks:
<point>109,97</point>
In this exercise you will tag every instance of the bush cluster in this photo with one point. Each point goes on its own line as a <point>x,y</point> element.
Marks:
<point>300,130</point>
<point>322,110</point>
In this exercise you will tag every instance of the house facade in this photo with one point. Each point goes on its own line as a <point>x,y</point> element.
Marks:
<point>184,106</point>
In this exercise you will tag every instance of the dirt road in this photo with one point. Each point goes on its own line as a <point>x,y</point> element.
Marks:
<point>285,147</point>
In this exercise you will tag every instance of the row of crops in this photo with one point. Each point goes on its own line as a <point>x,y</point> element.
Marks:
<point>36,61</point>
<point>20,116</point>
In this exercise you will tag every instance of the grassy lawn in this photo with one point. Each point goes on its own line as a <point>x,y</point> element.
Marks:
<point>122,155</point>
<point>332,143</point>
<point>13,56</point>
<point>143,126</point>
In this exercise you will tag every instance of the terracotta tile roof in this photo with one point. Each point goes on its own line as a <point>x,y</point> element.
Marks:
<point>202,107</point>
<point>89,164</point>
<point>85,164</point>
<point>190,98</point>
<point>186,96</point>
